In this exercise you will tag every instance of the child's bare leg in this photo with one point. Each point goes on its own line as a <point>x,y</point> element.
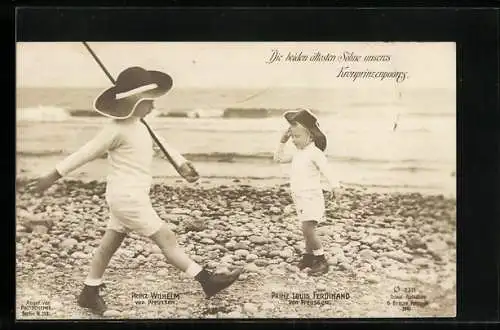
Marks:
<point>167,242</point>
<point>89,297</point>
<point>109,244</point>
<point>309,249</point>
<point>313,244</point>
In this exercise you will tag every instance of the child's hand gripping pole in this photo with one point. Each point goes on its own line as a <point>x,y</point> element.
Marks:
<point>184,167</point>
<point>188,172</point>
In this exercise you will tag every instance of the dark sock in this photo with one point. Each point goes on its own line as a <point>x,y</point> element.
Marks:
<point>202,276</point>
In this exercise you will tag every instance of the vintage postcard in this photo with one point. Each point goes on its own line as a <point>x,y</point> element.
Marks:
<point>174,180</point>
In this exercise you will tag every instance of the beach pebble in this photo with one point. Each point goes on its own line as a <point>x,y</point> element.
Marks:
<point>261,262</point>
<point>241,246</point>
<point>346,266</point>
<point>249,308</point>
<point>277,271</point>
<point>257,240</point>
<point>79,255</point>
<point>241,253</point>
<point>182,313</point>
<point>367,254</point>
<point>222,270</point>
<point>251,267</point>
<point>68,243</point>
<point>434,306</point>
<point>162,272</point>
<point>194,225</point>
<point>437,247</point>
<point>247,206</point>
<point>274,253</point>
<point>448,284</point>
<point>286,253</point>
<point>196,213</point>
<point>111,313</point>
<point>230,245</point>
<point>235,315</point>
<point>150,277</point>
<point>399,275</point>
<point>289,209</point>
<point>333,260</point>
<point>207,241</point>
<point>180,211</point>
<point>267,306</point>
<point>421,262</point>
<point>371,278</point>
<point>275,210</point>
<point>370,240</point>
<point>21,228</point>
<point>56,305</point>
<point>415,243</point>
<point>398,255</point>
<point>227,259</point>
<point>40,229</point>
<point>251,257</point>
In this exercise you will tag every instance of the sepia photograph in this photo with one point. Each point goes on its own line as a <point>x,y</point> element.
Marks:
<point>240,180</point>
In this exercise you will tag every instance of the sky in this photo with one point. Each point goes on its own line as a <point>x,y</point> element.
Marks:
<point>235,65</point>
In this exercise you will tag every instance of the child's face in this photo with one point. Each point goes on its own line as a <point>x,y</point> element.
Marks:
<point>143,108</point>
<point>300,136</point>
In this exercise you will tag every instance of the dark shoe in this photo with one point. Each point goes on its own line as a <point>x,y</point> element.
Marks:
<point>319,266</point>
<point>90,298</point>
<point>215,283</point>
<point>307,261</point>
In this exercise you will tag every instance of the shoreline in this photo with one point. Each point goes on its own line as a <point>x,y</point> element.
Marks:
<point>262,183</point>
<point>234,175</point>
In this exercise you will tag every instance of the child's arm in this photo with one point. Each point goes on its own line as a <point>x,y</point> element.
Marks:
<point>279,155</point>
<point>105,140</point>
<point>178,158</point>
<point>319,159</point>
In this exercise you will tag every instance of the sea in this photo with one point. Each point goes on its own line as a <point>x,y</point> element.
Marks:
<point>376,137</point>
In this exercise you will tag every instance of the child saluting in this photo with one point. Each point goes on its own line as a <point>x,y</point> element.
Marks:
<point>130,153</point>
<point>307,165</point>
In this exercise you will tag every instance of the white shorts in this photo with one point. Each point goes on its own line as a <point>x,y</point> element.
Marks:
<point>133,211</point>
<point>310,205</point>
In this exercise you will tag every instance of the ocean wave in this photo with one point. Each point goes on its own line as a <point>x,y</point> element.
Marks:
<point>224,113</point>
<point>411,165</point>
<point>41,153</point>
<point>385,186</point>
<point>431,114</point>
<point>42,114</point>
<point>411,169</point>
<point>200,113</point>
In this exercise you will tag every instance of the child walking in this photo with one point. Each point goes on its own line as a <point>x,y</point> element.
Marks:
<point>130,153</point>
<point>307,165</point>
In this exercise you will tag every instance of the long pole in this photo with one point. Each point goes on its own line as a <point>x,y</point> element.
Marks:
<point>153,135</point>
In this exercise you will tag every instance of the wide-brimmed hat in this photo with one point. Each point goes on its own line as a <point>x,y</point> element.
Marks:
<point>133,85</point>
<point>307,119</point>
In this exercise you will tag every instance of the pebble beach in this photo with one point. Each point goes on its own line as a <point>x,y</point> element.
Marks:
<point>386,250</point>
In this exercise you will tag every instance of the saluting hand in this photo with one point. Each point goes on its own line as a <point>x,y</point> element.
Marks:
<point>286,135</point>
